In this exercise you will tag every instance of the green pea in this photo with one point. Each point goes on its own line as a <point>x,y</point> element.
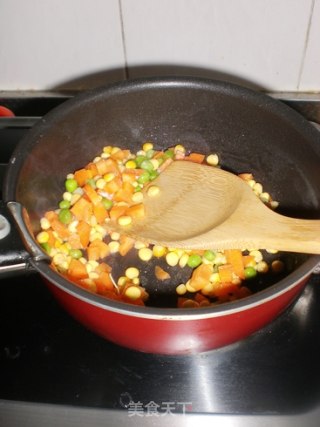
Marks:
<point>144,178</point>
<point>169,154</point>
<point>209,255</point>
<point>107,203</point>
<point>249,272</point>
<point>91,182</point>
<point>150,154</point>
<point>65,216</point>
<point>46,247</point>
<point>75,253</point>
<point>64,204</point>
<point>139,160</point>
<point>137,188</point>
<point>71,184</point>
<point>153,175</point>
<point>194,260</point>
<point>147,165</point>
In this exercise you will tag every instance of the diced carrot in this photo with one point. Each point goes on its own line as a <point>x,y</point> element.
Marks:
<point>97,250</point>
<point>120,154</point>
<point>52,239</point>
<point>235,258</point>
<point>83,230</point>
<point>82,176</point>
<point>201,276</point>
<point>160,273</point>
<point>226,289</point>
<point>92,195</point>
<point>60,229</point>
<point>82,209</point>
<point>128,177</point>
<point>246,176</point>
<point>74,241</point>
<point>106,166</point>
<point>126,244</point>
<point>100,212</point>
<point>136,211</point>
<point>77,270</point>
<point>116,211</point>
<point>51,215</point>
<point>93,168</point>
<point>113,186</point>
<point>93,253</point>
<point>134,172</point>
<point>123,195</point>
<point>248,260</point>
<point>103,266</point>
<point>195,157</point>
<point>103,283</point>
<point>225,272</point>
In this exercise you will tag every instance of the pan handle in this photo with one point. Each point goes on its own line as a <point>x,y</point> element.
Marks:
<point>14,257</point>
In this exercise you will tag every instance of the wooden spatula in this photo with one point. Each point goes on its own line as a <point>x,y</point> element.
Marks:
<point>204,207</point>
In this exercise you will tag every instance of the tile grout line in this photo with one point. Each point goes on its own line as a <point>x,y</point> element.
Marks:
<point>305,47</point>
<point>124,47</point>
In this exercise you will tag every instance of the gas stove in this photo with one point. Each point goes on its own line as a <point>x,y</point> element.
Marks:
<point>55,372</point>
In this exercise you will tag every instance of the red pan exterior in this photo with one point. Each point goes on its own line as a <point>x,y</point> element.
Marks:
<point>162,336</point>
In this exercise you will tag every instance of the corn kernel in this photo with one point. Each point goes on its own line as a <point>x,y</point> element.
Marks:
<point>115,236</point>
<point>207,289</point>
<point>45,224</point>
<point>109,177</point>
<point>181,289</point>
<point>107,149</point>
<point>105,155</point>
<point>139,245</point>
<point>183,261</point>
<point>159,251</point>
<point>262,267</point>
<point>114,150</point>
<point>172,259</point>
<point>67,196</point>
<point>100,183</point>
<point>136,281</point>
<point>96,159</point>
<point>137,197</point>
<point>265,197</point>
<point>212,159</point>
<point>132,272</point>
<point>114,247</point>
<point>70,176</point>
<point>257,188</point>
<point>155,163</point>
<point>257,255</point>
<point>122,280</point>
<point>145,254</point>
<point>189,287</point>
<point>133,292</point>
<point>124,220</point>
<point>131,164</point>
<point>153,191</point>
<point>179,148</point>
<point>43,237</point>
<point>214,278</point>
<point>72,227</point>
<point>147,146</point>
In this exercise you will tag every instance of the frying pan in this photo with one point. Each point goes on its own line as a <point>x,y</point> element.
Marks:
<point>249,131</point>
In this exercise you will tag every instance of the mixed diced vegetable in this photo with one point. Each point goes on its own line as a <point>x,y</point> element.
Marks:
<point>110,187</point>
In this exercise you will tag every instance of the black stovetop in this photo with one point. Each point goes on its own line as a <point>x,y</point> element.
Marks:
<point>49,360</point>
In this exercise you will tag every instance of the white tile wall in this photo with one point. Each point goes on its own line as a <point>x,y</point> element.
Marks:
<point>45,43</point>
<point>310,72</point>
<point>269,44</point>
